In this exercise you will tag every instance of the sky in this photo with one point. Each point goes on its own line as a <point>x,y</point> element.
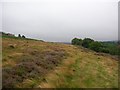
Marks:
<point>60,20</point>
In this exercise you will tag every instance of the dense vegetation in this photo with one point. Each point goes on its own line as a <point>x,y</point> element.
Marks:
<point>105,47</point>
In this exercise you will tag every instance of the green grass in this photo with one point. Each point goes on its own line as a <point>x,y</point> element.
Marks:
<point>87,72</point>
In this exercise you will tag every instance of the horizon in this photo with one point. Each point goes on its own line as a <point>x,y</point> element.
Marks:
<point>59,41</point>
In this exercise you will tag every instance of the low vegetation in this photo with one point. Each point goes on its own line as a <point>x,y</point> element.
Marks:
<point>28,63</point>
<point>25,59</point>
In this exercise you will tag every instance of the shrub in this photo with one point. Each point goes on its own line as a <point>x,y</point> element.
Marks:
<point>23,36</point>
<point>77,41</point>
<point>104,50</point>
<point>34,64</point>
<point>86,42</point>
<point>96,46</point>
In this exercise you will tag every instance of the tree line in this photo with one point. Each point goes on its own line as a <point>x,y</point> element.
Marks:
<point>111,48</point>
<point>11,35</point>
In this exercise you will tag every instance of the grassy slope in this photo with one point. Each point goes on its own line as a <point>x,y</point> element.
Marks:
<point>74,66</point>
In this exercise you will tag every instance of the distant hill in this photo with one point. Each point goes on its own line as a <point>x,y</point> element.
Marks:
<point>64,42</point>
<point>110,41</point>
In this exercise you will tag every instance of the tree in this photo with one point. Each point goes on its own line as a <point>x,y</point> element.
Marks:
<point>19,35</point>
<point>77,41</point>
<point>23,36</point>
<point>86,42</point>
<point>96,46</point>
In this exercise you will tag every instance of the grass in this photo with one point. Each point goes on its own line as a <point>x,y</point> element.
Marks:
<point>37,64</point>
<point>85,70</point>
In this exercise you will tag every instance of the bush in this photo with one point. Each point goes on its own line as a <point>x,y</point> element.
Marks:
<point>104,50</point>
<point>96,46</point>
<point>23,36</point>
<point>77,41</point>
<point>86,42</point>
<point>19,35</point>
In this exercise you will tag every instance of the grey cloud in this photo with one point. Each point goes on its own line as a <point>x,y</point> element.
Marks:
<point>62,21</point>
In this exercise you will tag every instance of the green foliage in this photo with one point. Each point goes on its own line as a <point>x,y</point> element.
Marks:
<point>86,42</point>
<point>104,50</point>
<point>111,48</point>
<point>96,46</point>
<point>77,41</point>
<point>105,47</point>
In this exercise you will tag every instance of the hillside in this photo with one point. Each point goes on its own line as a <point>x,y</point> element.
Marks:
<point>38,64</point>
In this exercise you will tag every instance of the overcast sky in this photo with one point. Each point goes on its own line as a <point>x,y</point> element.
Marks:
<point>61,20</point>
